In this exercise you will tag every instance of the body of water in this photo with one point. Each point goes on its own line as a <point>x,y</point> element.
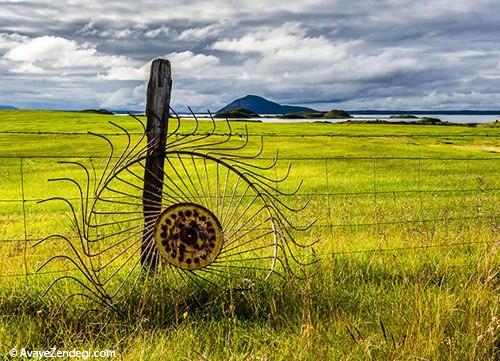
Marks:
<point>455,118</point>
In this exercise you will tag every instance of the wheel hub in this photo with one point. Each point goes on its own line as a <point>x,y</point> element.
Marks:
<point>188,236</point>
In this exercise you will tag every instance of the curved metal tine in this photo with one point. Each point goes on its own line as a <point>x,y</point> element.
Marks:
<point>100,238</point>
<point>181,146</point>
<point>242,156</point>
<point>127,152</point>
<point>207,178</point>
<point>222,203</point>
<point>139,121</point>
<point>116,201</point>
<point>198,195</point>
<point>58,279</point>
<point>125,149</point>
<point>230,223</point>
<point>77,254</point>
<point>181,194</point>
<point>256,175</point>
<point>282,221</point>
<point>255,227</point>
<point>286,249</point>
<point>85,272</point>
<point>179,176</point>
<point>149,249</point>
<point>125,194</point>
<point>208,146</point>
<point>265,180</point>
<point>302,245</point>
<point>219,150</point>
<point>142,150</point>
<point>119,254</point>
<point>230,232</point>
<point>233,194</point>
<point>280,215</point>
<point>111,154</point>
<point>225,250</point>
<point>117,243</point>
<point>275,198</point>
<point>294,258</point>
<point>228,258</point>
<point>252,165</point>
<point>75,218</point>
<point>133,186</point>
<point>178,123</point>
<point>79,294</point>
<point>115,222</point>
<point>80,191</point>
<point>225,151</point>
<point>121,231</point>
<point>87,188</point>
<point>205,198</point>
<point>94,182</point>
<point>165,195</point>
<point>192,276</point>
<point>265,187</point>
<point>192,133</point>
<point>196,120</point>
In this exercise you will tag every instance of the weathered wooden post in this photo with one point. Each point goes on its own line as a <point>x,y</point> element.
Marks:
<point>157,113</point>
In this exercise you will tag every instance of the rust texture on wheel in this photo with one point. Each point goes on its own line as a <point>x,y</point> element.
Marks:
<point>188,236</point>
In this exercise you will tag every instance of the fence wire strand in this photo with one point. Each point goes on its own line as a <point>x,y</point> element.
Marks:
<point>375,193</point>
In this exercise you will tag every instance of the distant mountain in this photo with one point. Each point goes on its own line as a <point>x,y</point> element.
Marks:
<point>261,105</point>
<point>8,107</point>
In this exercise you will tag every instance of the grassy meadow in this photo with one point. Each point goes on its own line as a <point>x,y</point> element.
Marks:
<point>407,260</point>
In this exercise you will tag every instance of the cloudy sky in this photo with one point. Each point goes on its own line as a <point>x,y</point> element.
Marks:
<point>393,54</point>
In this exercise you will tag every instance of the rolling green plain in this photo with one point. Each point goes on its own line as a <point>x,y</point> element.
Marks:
<point>407,264</point>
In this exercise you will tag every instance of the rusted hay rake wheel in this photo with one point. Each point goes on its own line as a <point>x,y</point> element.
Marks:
<point>219,219</point>
<point>188,236</point>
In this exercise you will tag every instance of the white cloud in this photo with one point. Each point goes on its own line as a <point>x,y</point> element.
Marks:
<point>140,73</point>
<point>9,41</point>
<point>123,97</point>
<point>45,53</point>
<point>187,63</point>
<point>287,54</point>
<point>27,68</point>
<point>153,33</point>
<point>198,33</point>
<point>92,29</point>
<point>184,64</point>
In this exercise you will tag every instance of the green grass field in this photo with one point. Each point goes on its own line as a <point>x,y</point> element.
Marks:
<point>408,264</point>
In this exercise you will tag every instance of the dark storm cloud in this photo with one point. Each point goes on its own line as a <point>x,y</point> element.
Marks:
<point>364,54</point>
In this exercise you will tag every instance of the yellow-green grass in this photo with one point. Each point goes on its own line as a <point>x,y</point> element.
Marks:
<point>407,261</point>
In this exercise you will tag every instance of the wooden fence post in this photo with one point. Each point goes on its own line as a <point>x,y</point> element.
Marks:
<point>157,113</point>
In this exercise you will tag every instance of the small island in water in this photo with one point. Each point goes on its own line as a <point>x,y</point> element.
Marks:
<point>332,114</point>
<point>238,114</point>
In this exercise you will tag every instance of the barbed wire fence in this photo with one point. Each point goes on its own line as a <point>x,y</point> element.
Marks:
<point>326,165</point>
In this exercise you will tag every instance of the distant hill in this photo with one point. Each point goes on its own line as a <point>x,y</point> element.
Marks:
<point>237,113</point>
<point>8,107</point>
<point>97,111</point>
<point>261,105</point>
